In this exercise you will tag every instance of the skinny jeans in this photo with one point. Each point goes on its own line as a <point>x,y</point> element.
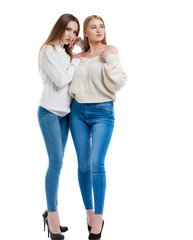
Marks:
<point>91,126</point>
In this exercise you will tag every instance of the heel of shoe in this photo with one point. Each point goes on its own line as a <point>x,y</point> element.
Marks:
<point>93,236</point>
<point>45,215</point>
<point>48,232</point>
<point>54,236</point>
<point>44,225</point>
<point>46,221</point>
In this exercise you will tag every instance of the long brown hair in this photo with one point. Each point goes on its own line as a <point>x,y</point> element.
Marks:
<point>85,24</point>
<point>58,31</point>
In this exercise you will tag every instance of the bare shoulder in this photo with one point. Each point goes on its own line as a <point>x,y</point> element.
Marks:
<point>112,49</point>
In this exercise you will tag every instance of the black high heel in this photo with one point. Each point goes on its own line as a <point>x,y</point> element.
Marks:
<point>53,236</point>
<point>93,236</point>
<point>45,215</point>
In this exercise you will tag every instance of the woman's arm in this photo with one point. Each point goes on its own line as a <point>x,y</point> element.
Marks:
<point>114,77</point>
<point>51,62</point>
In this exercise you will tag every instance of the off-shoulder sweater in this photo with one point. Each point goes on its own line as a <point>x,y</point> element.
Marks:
<point>97,80</point>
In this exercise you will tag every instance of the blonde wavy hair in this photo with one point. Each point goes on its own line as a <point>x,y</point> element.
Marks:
<point>86,45</point>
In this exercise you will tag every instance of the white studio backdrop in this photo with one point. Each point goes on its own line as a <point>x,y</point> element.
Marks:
<point>149,162</point>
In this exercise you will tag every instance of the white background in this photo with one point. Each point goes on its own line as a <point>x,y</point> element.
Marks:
<point>149,162</point>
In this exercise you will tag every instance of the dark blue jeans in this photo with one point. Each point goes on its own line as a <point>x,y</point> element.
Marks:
<point>91,127</point>
<point>55,133</point>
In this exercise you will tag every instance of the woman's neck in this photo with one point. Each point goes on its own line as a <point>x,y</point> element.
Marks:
<point>95,47</point>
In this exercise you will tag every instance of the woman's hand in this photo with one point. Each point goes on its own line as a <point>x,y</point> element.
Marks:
<point>79,55</point>
<point>73,42</point>
<point>108,50</point>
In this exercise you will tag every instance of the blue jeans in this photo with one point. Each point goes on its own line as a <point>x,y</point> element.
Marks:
<point>91,126</point>
<point>55,133</point>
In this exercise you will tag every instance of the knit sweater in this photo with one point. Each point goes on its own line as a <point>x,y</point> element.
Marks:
<point>56,69</point>
<point>97,79</point>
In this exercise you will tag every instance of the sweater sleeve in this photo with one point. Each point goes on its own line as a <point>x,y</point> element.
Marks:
<point>114,77</point>
<point>51,62</point>
<point>80,43</point>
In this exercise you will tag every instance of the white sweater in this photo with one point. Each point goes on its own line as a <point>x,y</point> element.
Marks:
<point>97,80</point>
<point>56,69</point>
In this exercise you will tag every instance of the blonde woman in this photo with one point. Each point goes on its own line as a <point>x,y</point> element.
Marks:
<point>93,89</point>
<point>56,68</point>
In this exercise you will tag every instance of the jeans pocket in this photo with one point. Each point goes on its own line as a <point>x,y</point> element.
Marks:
<point>105,107</point>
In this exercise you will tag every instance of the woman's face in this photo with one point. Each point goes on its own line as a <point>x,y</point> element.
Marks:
<point>95,30</point>
<point>70,33</point>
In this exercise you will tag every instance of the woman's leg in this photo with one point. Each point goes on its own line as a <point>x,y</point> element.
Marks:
<point>50,127</point>
<point>102,128</point>
<point>64,126</point>
<point>101,136</point>
<point>80,132</point>
<point>64,129</point>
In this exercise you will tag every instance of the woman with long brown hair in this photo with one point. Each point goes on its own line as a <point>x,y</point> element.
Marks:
<point>57,66</point>
<point>93,89</point>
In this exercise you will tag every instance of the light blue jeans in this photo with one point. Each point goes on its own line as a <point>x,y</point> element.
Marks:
<point>91,126</point>
<point>55,133</point>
